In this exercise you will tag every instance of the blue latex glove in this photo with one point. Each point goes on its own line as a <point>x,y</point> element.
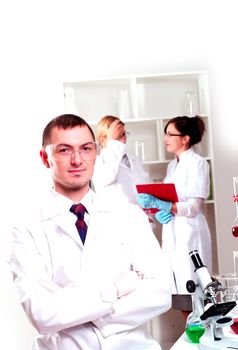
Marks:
<point>163,216</point>
<point>148,201</point>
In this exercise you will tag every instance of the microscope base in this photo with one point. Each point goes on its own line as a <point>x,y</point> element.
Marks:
<point>207,343</point>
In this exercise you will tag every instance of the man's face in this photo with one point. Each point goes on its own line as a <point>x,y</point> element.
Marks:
<point>70,156</point>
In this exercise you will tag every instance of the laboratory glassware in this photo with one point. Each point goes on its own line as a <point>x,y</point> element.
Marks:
<point>235,260</point>
<point>190,103</point>
<point>194,328</point>
<point>235,198</point>
<point>230,282</point>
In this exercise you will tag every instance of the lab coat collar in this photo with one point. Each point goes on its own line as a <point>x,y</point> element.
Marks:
<point>56,204</point>
<point>55,211</point>
<point>87,200</point>
<point>186,153</point>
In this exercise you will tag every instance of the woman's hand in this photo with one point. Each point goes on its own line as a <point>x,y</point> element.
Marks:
<point>116,130</point>
<point>148,201</point>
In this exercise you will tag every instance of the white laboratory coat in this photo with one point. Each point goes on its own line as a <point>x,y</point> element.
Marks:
<point>65,287</point>
<point>113,177</point>
<point>184,234</point>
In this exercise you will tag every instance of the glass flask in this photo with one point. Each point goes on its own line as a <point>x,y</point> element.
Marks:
<point>124,104</point>
<point>139,149</point>
<point>190,108</point>
<point>194,326</point>
<point>235,198</point>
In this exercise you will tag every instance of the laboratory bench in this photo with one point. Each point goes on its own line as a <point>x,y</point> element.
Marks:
<point>183,343</point>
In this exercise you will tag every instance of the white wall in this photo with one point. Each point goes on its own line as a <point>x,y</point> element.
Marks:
<point>44,42</point>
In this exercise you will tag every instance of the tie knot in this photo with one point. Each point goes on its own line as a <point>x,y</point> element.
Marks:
<point>78,210</point>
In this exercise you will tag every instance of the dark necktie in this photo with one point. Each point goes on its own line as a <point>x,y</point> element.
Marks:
<point>79,210</point>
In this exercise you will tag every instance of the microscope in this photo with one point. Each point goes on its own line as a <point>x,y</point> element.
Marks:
<point>214,315</point>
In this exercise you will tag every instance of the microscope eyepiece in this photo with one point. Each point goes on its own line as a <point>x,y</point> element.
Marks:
<point>197,262</point>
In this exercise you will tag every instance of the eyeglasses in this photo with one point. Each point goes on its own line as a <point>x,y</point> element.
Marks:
<point>125,133</point>
<point>63,151</point>
<point>169,134</point>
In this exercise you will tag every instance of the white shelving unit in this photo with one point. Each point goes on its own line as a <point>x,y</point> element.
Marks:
<point>145,104</point>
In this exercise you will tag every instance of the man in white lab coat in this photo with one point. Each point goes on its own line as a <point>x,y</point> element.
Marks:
<point>96,295</point>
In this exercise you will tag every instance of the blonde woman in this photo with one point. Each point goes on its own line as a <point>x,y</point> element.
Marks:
<point>116,172</point>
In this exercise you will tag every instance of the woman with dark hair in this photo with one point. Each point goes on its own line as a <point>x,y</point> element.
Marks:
<point>184,225</point>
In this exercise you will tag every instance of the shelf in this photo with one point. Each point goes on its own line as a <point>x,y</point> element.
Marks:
<point>156,162</point>
<point>141,97</point>
<point>97,98</point>
<point>144,103</point>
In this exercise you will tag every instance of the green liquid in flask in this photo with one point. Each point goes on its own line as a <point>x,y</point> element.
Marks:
<point>194,332</point>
